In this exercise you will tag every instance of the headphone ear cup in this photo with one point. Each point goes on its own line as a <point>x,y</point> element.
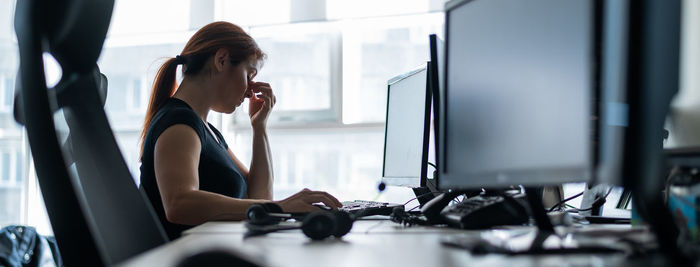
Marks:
<point>272,207</point>
<point>343,223</point>
<point>319,225</point>
<point>258,215</point>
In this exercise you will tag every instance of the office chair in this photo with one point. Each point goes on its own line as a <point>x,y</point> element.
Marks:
<point>97,213</point>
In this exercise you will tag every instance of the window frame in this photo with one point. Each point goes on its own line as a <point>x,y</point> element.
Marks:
<point>290,118</point>
<point>4,91</point>
<point>13,156</point>
<point>130,91</point>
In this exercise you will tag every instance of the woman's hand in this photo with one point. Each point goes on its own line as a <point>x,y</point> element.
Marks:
<point>301,202</point>
<point>261,104</point>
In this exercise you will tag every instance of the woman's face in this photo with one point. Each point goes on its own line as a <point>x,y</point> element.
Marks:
<point>234,87</point>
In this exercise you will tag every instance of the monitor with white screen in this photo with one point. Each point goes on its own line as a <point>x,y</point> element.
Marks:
<point>407,129</point>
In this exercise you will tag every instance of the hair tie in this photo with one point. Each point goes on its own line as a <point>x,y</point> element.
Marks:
<point>179,60</point>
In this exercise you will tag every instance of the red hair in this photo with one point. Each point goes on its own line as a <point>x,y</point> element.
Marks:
<point>201,46</point>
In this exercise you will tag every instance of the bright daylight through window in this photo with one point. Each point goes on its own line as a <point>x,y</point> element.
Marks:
<point>328,63</point>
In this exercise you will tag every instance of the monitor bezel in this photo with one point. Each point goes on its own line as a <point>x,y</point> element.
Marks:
<point>407,181</point>
<point>534,177</point>
<point>436,93</point>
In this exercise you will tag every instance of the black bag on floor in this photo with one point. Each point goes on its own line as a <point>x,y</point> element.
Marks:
<point>21,246</point>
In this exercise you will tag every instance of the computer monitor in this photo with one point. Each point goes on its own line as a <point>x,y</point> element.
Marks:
<point>649,50</point>
<point>435,78</point>
<point>407,131</point>
<point>517,90</point>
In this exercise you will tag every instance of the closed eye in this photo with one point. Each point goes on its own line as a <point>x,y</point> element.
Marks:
<point>252,72</point>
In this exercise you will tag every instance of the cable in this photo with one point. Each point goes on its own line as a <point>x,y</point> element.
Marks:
<point>432,165</point>
<point>564,201</point>
<point>608,193</point>
<point>594,202</point>
<point>579,210</point>
<point>421,195</point>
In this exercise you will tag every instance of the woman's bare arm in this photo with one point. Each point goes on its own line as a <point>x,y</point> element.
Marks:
<point>176,162</point>
<point>260,177</point>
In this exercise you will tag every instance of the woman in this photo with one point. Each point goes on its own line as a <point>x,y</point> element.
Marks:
<point>187,170</point>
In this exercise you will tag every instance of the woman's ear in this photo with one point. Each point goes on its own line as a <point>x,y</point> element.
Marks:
<point>220,59</point>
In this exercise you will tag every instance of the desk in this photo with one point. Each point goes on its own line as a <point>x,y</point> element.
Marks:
<point>370,243</point>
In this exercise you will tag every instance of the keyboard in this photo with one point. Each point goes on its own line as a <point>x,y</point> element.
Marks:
<point>363,208</point>
<point>483,212</point>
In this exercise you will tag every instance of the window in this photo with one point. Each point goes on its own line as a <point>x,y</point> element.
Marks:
<point>301,69</point>
<point>343,161</point>
<point>246,13</point>
<point>7,8</point>
<point>116,93</point>
<point>12,189</point>
<point>330,78</point>
<point>345,9</point>
<point>141,19</point>
<point>9,205</point>
<point>19,175</point>
<point>136,96</point>
<point>130,70</point>
<point>5,168</point>
<point>327,64</point>
<point>11,167</point>
<point>374,51</point>
<point>125,93</point>
<point>8,92</point>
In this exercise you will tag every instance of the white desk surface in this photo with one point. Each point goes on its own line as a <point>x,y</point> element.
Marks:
<point>370,243</point>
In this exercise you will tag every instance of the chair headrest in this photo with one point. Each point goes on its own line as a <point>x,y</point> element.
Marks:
<point>73,31</point>
<point>102,85</point>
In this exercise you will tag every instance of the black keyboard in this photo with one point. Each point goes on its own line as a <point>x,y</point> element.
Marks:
<point>482,212</point>
<point>363,208</point>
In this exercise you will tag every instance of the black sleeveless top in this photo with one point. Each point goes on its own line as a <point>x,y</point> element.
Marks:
<point>217,172</point>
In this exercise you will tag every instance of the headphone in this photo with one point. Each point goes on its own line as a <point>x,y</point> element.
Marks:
<point>268,217</point>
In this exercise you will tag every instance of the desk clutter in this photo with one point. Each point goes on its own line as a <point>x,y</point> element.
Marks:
<point>501,221</point>
<point>269,217</point>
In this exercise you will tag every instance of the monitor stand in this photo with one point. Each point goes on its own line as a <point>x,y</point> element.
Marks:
<point>544,225</point>
<point>423,193</point>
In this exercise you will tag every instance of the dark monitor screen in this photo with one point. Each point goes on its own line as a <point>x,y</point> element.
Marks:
<point>518,88</point>
<point>406,134</point>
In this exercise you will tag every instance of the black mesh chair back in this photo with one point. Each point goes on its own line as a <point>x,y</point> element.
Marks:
<point>97,213</point>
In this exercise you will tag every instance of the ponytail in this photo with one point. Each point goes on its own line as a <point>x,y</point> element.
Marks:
<point>203,44</point>
<point>163,88</point>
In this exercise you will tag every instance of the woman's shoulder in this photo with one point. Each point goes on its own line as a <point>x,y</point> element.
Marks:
<point>176,112</point>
